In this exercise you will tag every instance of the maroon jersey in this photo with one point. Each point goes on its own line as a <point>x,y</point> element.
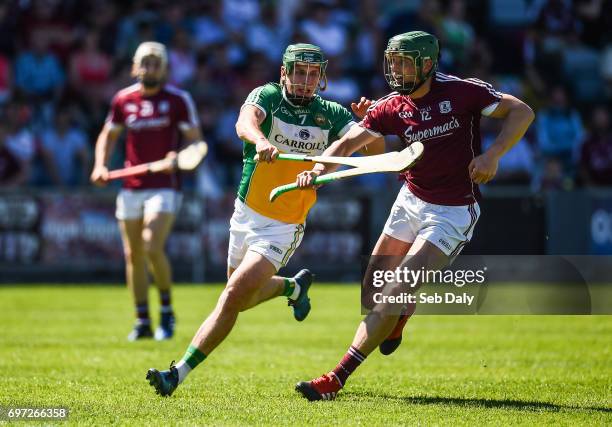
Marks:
<point>152,124</point>
<point>447,122</point>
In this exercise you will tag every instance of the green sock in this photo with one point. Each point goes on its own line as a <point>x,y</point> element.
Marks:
<point>289,287</point>
<point>193,357</point>
<point>292,289</point>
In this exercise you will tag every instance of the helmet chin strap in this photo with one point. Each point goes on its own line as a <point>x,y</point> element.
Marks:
<point>414,88</point>
<point>296,99</point>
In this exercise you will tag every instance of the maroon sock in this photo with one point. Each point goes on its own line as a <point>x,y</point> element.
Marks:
<point>351,360</point>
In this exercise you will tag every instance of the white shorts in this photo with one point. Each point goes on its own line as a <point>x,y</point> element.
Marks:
<point>250,231</point>
<point>134,204</point>
<point>450,228</point>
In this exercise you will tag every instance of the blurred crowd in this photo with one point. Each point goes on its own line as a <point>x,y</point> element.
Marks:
<point>62,60</point>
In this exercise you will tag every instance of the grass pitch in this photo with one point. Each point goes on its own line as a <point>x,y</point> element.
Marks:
<point>66,346</point>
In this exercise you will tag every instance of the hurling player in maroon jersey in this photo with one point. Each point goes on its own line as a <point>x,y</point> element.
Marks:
<point>155,115</point>
<point>435,212</point>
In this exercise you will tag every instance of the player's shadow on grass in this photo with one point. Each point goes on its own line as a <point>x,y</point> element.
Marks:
<point>517,405</point>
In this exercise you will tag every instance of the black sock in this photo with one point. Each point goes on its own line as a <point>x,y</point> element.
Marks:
<point>142,313</point>
<point>165,301</point>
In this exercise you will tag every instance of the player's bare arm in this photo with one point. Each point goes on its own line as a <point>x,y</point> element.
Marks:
<point>373,148</point>
<point>104,147</point>
<point>355,139</point>
<point>248,129</point>
<point>517,117</point>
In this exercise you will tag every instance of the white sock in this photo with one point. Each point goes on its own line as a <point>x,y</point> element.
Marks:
<point>296,291</point>
<point>183,370</point>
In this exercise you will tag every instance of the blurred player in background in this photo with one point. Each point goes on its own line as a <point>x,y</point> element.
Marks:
<point>434,214</point>
<point>288,117</point>
<point>156,115</point>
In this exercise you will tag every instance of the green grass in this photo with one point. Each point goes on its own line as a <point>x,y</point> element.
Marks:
<point>66,346</point>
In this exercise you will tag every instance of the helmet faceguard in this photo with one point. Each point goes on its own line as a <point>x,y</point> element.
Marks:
<point>139,70</point>
<point>404,59</point>
<point>298,63</point>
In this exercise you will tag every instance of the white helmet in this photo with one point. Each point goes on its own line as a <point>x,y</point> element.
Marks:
<point>151,49</point>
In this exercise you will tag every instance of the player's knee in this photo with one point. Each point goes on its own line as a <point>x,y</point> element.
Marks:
<point>133,255</point>
<point>153,250</point>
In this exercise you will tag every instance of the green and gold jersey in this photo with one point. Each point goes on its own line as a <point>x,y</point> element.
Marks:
<point>292,129</point>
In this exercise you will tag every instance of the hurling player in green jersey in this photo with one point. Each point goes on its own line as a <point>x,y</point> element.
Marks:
<point>288,117</point>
